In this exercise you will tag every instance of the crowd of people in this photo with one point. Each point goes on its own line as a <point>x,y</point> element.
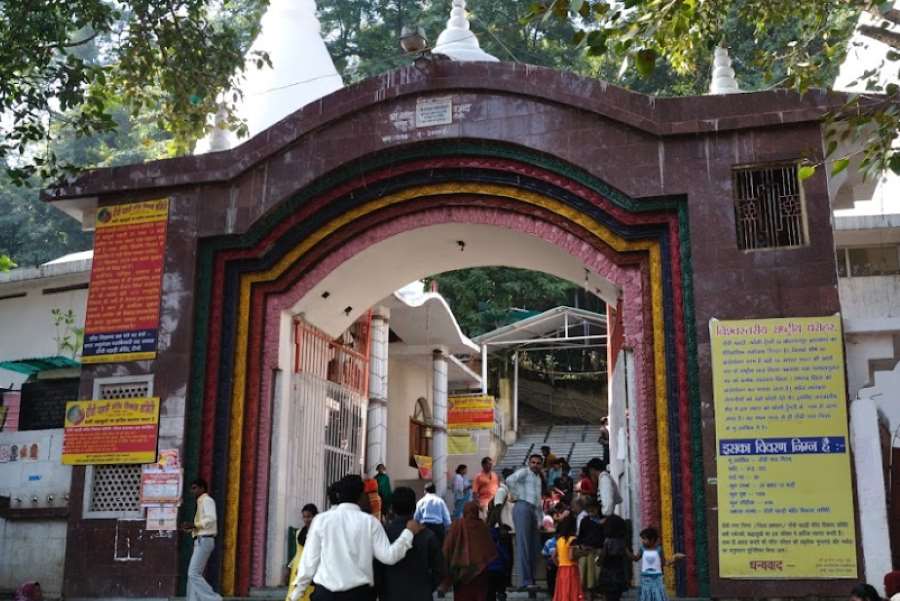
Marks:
<point>384,543</point>
<point>379,543</point>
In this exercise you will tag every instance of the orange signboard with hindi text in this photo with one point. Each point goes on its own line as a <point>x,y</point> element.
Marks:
<point>122,322</point>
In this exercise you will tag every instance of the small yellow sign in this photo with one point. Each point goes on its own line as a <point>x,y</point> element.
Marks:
<point>111,431</point>
<point>461,444</point>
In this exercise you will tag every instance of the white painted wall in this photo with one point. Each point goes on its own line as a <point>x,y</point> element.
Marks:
<point>878,402</point>
<point>368,277</point>
<point>870,308</point>
<point>34,549</point>
<point>28,329</point>
<point>886,395</point>
<point>870,304</point>
<point>618,438</point>
<point>633,464</point>
<point>860,350</point>
<point>407,382</point>
<point>872,506</point>
<point>285,497</point>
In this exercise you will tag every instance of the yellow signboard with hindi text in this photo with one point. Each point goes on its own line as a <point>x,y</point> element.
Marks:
<point>785,499</point>
<point>111,431</point>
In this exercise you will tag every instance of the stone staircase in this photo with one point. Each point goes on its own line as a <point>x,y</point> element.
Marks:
<point>577,443</point>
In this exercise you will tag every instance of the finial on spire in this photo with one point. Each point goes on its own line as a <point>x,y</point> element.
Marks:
<point>723,80</point>
<point>457,41</point>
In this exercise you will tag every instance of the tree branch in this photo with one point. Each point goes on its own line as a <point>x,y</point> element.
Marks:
<point>885,36</point>
<point>892,15</point>
<point>81,42</point>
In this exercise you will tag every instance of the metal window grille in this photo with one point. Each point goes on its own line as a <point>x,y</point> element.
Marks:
<point>769,208</point>
<point>115,490</point>
<point>125,390</point>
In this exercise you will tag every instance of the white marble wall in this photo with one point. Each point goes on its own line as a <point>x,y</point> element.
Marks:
<point>34,549</point>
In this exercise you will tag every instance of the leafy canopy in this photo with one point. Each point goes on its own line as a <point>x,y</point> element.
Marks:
<point>66,65</point>
<point>797,45</point>
<point>363,36</point>
<point>486,298</point>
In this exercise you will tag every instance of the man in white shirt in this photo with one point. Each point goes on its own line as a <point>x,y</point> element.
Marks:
<point>607,491</point>
<point>341,545</point>
<point>204,531</point>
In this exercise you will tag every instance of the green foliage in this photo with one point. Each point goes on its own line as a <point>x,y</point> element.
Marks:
<point>68,66</point>
<point>6,263</point>
<point>68,337</point>
<point>363,36</point>
<point>665,47</point>
<point>487,298</point>
<point>32,232</point>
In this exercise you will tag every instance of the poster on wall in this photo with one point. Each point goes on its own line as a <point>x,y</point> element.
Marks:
<point>163,518</point>
<point>122,321</point>
<point>160,487</point>
<point>782,454</point>
<point>470,412</point>
<point>111,431</point>
<point>423,462</point>
<point>461,443</point>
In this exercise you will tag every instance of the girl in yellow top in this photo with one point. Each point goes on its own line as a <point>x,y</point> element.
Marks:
<point>568,580</point>
<point>309,512</point>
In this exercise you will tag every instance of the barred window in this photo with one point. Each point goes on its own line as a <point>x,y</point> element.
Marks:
<point>114,491</point>
<point>769,207</point>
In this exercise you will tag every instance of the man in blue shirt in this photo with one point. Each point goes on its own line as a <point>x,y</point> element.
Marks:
<point>525,488</point>
<point>432,512</point>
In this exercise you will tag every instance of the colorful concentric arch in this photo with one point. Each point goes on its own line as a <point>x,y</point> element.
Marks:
<point>229,420</point>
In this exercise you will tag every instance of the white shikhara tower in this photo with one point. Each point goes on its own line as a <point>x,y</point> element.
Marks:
<point>723,80</point>
<point>457,41</point>
<point>302,71</point>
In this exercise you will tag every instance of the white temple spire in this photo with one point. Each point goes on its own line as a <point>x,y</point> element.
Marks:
<point>457,41</point>
<point>302,71</point>
<point>723,80</point>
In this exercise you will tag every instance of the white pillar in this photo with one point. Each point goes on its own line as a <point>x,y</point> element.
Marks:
<point>439,442</point>
<point>484,369</point>
<point>873,519</point>
<point>377,416</point>
<point>515,394</point>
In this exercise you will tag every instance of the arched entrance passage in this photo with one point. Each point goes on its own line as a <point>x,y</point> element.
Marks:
<point>641,246</point>
<point>249,223</point>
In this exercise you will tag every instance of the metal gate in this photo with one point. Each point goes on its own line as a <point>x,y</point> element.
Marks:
<point>330,392</point>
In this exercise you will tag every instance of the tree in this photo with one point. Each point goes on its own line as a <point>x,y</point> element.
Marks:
<point>796,45</point>
<point>486,298</point>
<point>33,232</point>
<point>66,66</point>
<point>363,36</point>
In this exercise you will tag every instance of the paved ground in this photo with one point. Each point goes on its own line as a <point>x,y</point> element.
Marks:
<point>278,594</point>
